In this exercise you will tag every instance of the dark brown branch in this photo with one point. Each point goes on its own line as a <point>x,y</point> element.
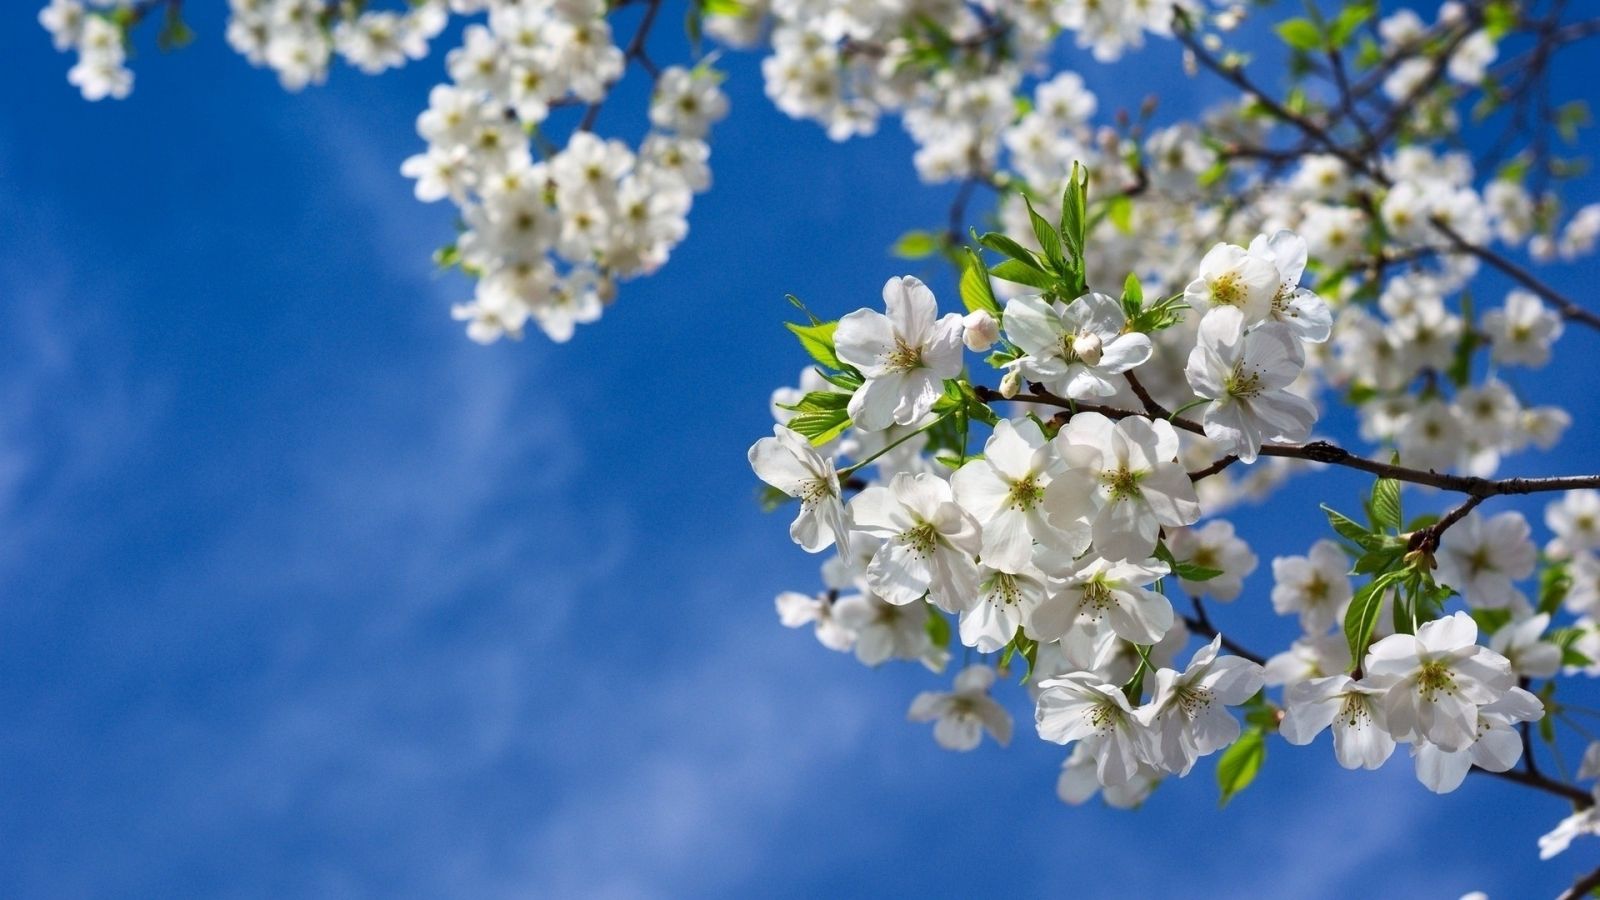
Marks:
<point>1201,622</point>
<point>1582,887</point>
<point>1579,797</point>
<point>1329,453</point>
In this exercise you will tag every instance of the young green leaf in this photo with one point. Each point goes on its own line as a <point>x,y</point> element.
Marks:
<point>818,342</point>
<point>1386,503</point>
<point>976,291</point>
<point>917,245</point>
<point>1238,765</point>
<point>1015,270</point>
<point>1301,34</point>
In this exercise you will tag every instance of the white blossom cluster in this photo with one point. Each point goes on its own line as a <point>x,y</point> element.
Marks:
<point>548,229</point>
<point>549,238</point>
<point>101,70</point>
<point>1063,539</point>
<point>1048,537</point>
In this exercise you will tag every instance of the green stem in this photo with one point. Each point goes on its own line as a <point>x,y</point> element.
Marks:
<point>851,470</point>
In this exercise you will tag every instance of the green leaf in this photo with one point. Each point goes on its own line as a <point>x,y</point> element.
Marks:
<point>175,32</point>
<point>1010,249</point>
<point>938,628</point>
<point>1554,582</point>
<point>1301,34</point>
<point>917,244</point>
<point>819,401</point>
<point>1362,616</point>
<point>1074,206</point>
<point>1238,765</point>
<point>818,342</point>
<point>1132,296</point>
<point>1386,503</point>
<point>771,498</point>
<point>1344,26</point>
<point>1460,371</point>
<point>1046,235</point>
<point>1188,571</point>
<point>1499,18</point>
<point>1119,210</point>
<point>1349,528</point>
<point>1491,620</point>
<point>976,291</point>
<point>821,427</point>
<point>1021,273</point>
<point>1213,174</point>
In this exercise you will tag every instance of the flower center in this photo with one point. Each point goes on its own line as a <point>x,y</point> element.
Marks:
<point>1002,588</point>
<point>1097,597</point>
<point>921,538</point>
<point>1241,382</point>
<point>904,357</point>
<point>1124,484</point>
<point>1025,493</point>
<point>1353,711</point>
<point>814,491</point>
<point>1434,677</point>
<point>1227,290</point>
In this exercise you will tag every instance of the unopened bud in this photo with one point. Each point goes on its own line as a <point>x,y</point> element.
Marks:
<point>979,330</point>
<point>1088,348</point>
<point>1011,384</point>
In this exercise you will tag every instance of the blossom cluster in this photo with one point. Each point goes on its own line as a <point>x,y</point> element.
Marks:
<point>547,229</point>
<point>1061,543</point>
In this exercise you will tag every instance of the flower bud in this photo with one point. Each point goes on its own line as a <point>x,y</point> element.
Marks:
<point>979,330</point>
<point>1088,347</point>
<point>1011,384</point>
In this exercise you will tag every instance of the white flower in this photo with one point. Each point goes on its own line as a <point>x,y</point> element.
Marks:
<point>979,330</point>
<point>1188,715</point>
<point>1481,557</point>
<point>1584,821</point>
<point>961,717</point>
<point>1232,276</point>
<point>1114,592</point>
<point>1522,644</point>
<point>1317,586</point>
<point>1245,375</point>
<point>796,610</point>
<point>929,542</point>
<point>1213,546</point>
<point>788,462</point>
<point>1309,657</point>
<point>1135,487</point>
<point>1305,314</point>
<point>1496,748</point>
<point>1006,600</point>
<point>1361,736</point>
<point>1521,332</point>
<point>883,631</point>
<point>905,355</point>
<point>687,102</point>
<point>1472,58</point>
<point>1078,782</point>
<point>1005,491</point>
<point>1079,708</point>
<point>1074,348</point>
<point>1575,519</point>
<point>1435,680</point>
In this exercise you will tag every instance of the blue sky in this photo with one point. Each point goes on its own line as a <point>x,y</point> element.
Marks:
<point>302,594</point>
